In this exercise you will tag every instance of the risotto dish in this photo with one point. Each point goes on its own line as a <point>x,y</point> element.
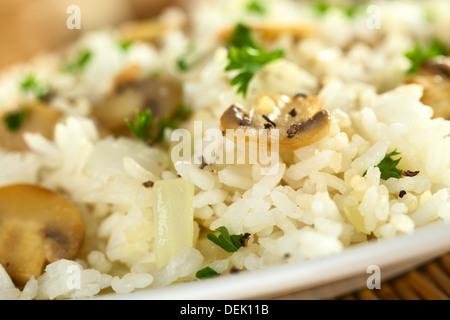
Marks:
<point>222,137</point>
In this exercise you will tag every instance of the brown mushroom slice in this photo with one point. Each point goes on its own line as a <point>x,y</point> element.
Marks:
<point>272,32</point>
<point>37,118</point>
<point>36,226</point>
<point>160,94</point>
<point>301,121</point>
<point>434,76</point>
<point>151,29</point>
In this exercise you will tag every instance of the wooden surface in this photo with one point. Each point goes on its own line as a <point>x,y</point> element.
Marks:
<point>428,282</point>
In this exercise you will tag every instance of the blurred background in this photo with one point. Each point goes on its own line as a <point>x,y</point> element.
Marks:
<point>28,27</point>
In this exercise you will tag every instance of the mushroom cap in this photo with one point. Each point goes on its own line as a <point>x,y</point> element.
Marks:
<point>152,29</point>
<point>300,120</point>
<point>273,31</point>
<point>38,118</point>
<point>162,95</point>
<point>434,76</point>
<point>36,226</point>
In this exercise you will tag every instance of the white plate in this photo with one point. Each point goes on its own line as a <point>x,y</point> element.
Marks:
<point>316,279</point>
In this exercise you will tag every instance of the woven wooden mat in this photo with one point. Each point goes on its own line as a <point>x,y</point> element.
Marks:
<point>428,282</point>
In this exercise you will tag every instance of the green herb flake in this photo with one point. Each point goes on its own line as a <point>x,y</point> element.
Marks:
<point>79,63</point>
<point>242,37</point>
<point>420,54</point>
<point>229,243</point>
<point>247,57</point>
<point>140,127</point>
<point>256,7</point>
<point>14,120</point>
<point>351,10</point>
<point>31,84</point>
<point>182,62</point>
<point>150,130</point>
<point>388,166</point>
<point>206,273</point>
<point>125,44</point>
<point>320,7</point>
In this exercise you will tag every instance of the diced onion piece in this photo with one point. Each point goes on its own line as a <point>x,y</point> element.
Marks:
<point>353,215</point>
<point>173,217</point>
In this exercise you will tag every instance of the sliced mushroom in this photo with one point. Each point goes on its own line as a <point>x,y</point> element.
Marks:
<point>161,94</point>
<point>37,118</point>
<point>36,226</point>
<point>434,76</point>
<point>152,29</point>
<point>272,32</point>
<point>300,120</point>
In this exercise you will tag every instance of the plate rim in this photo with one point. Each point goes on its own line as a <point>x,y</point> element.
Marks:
<point>428,242</point>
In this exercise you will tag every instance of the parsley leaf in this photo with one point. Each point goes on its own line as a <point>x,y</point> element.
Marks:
<point>321,7</point>
<point>256,6</point>
<point>388,166</point>
<point>14,119</point>
<point>247,57</point>
<point>31,84</point>
<point>79,63</point>
<point>229,243</point>
<point>151,130</point>
<point>420,54</point>
<point>242,37</point>
<point>125,44</point>
<point>140,127</point>
<point>183,62</point>
<point>206,273</point>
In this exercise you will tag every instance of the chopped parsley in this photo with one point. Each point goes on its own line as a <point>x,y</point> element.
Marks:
<point>79,63</point>
<point>14,120</point>
<point>420,54</point>
<point>125,44</point>
<point>388,166</point>
<point>31,84</point>
<point>229,243</point>
<point>321,7</point>
<point>206,273</point>
<point>151,130</point>
<point>247,57</point>
<point>141,126</point>
<point>242,37</point>
<point>182,62</point>
<point>256,7</point>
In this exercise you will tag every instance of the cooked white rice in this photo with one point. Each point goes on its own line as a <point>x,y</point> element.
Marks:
<point>302,211</point>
